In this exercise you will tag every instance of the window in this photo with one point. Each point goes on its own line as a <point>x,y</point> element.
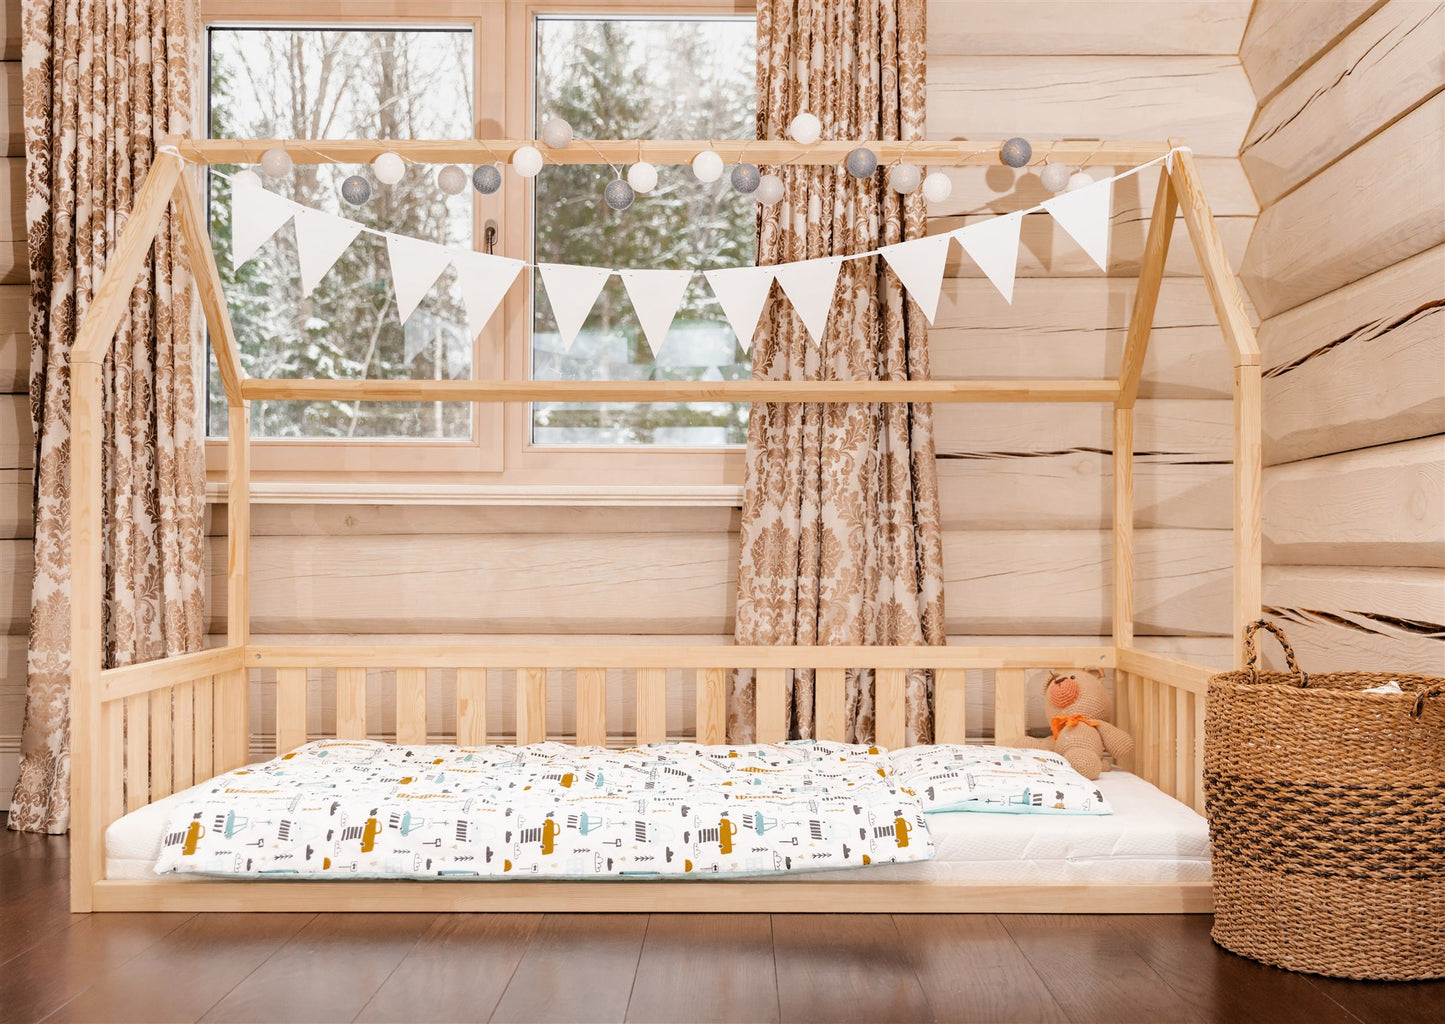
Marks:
<point>344,83</point>
<point>633,77</point>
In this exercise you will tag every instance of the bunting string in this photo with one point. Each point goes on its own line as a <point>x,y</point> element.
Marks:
<point>742,292</point>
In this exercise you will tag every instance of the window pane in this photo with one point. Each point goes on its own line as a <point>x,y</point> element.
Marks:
<point>309,83</point>
<point>623,78</point>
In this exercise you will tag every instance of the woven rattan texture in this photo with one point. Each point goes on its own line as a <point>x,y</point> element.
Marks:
<point>1326,815</point>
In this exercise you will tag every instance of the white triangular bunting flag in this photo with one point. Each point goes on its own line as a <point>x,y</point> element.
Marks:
<point>320,241</point>
<point>742,292</point>
<point>994,246</point>
<point>256,215</point>
<point>572,292</point>
<point>1084,214</point>
<point>919,265</point>
<point>415,267</point>
<point>483,279</point>
<point>809,285</point>
<point>655,296</point>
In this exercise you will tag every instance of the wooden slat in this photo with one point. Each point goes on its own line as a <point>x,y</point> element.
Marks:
<point>1200,701</point>
<point>1380,70</point>
<point>232,719</point>
<point>183,731</point>
<point>291,731</point>
<point>197,240</point>
<point>137,752</point>
<point>204,731</point>
<point>1121,701</point>
<point>1248,503</point>
<point>1168,735</point>
<point>592,707</point>
<point>162,774</point>
<point>1137,686</point>
<point>1153,740</point>
<point>829,708</point>
<point>471,707</point>
<point>658,151</point>
<point>425,389</point>
<point>1146,297</point>
<point>771,705</point>
<point>116,683</point>
<point>112,754</point>
<point>1366,211</point>
<point>712,705</point>
<point>351,703</point>
<point>1285,35</point>
<point>411,705</point>
<point>651,705</point>
<point>1123,524</point>
<point>238,525</point>
<point>950,721</point>
<point>1183,720</point>
<point>1010,706</point>
<point>888,711</point>
<point>531,705</point>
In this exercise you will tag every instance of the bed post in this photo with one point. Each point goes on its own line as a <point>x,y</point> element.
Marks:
<point>1248,405</point>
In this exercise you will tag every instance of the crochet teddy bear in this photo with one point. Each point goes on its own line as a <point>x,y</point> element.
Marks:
<point>1079,705</point>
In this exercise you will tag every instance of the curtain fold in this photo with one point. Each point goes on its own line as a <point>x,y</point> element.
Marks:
<point>104,80</point>
<point>840,540</point>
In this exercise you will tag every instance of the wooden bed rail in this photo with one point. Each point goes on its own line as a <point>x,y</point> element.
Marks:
<point>1161,701</point>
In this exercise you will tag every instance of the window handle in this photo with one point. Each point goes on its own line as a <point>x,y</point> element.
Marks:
<point>489,238</point>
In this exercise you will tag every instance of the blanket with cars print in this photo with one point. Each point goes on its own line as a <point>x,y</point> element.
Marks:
<point>337,809</point>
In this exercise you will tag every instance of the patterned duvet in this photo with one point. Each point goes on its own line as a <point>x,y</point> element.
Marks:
<point>360,809</point>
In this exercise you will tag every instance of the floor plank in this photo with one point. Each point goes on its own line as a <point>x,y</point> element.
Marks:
<point>706,967</point>
<point>1387,1002</point>
<point>34,898</point>
<point>11,840</point>
<point>64,964</point>
<point>1092,971</point>
<point>326,972</point>
<point>836,968</point>
<point>186,972</point>
<point>1220,985</point>
<point>457,971</point>
<point>578,968</point>
<point>973,973</point>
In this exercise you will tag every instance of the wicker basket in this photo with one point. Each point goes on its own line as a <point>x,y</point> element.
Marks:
<point>1327,819</point>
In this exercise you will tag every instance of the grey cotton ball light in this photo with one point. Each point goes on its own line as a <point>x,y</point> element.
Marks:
<point>276,163</point>
<point>356,190</point>
<point>618,194</point>
<point>861,162</point>
<point>745,179</point>
<point>486,179</point>
<point>451,179</point>
<point>1016,152</point>
<point>1055,177</point>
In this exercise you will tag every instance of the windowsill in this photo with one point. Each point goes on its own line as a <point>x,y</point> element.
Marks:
<point>404,493</point>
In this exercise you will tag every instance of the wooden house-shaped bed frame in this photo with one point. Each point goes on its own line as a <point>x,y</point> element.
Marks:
<point>143,731</point>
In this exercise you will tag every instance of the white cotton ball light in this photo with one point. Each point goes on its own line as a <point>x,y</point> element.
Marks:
<point>527,161</point>
<point>557,133</point>
<point>245,179</point>
<point>1055,177</point>
<point>276,163</point>
<point>1079,180</point>
<point>642,176</point>
<point>452,180</point>
<point>805,128</point>
<point>388,168</point>
<point>937,187</point>
<point>707,166</point>
<point>770,190</point>
<point>904,178</point>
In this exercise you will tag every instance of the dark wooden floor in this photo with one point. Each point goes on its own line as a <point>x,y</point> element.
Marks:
<point>636,967</point>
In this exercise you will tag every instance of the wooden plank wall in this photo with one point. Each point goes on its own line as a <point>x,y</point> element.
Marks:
<point>16,522</point>
<point>1025,490</point>
<point>1347,265</point>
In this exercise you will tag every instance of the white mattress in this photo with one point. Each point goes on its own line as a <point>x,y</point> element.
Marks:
<point>1150,838</point>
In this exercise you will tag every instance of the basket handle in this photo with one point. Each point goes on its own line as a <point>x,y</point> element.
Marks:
<point>1251,656</point>
<point>1437,690</point>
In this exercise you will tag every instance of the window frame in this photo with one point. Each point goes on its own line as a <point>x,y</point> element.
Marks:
<point>499,462</point>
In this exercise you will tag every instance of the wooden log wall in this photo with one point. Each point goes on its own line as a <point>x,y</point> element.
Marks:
<point>1347,265</point>
<point>17,525</point>
<point>1025,490</point>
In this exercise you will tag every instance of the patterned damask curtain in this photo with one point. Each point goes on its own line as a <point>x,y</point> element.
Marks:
<point>104,80</point>
<point>840,539</point>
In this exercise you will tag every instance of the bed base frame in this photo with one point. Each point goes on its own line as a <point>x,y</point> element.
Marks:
<point>143,731</point>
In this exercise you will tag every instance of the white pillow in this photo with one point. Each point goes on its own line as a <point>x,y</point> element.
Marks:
<point>1007,780</point>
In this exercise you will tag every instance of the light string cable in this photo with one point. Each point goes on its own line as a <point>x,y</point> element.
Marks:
<point>1167,159</point>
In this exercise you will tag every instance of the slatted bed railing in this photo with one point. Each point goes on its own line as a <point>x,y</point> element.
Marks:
<point>171,723</point>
